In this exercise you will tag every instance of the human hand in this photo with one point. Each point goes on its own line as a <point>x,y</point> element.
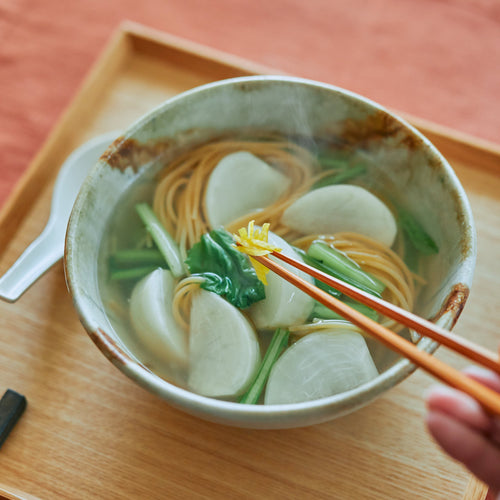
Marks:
<point>465,431</point>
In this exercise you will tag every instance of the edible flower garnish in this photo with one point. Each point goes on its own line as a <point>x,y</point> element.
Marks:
<point>254,242</point>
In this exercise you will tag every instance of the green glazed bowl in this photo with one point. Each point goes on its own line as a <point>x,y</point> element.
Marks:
<point>402,163</point>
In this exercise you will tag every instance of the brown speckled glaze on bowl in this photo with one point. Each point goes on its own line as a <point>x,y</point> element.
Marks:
<point>403,164</point>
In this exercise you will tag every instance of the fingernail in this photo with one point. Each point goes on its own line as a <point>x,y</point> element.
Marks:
<point>477,370</point>
<point>458,398</point>
<point>431,391</point>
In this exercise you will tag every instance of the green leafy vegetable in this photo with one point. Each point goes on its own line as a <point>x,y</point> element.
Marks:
<point>227,271</point>
<point>416,234</point>
<point>340,177</point>
<point>136,257</point>
<point>312,262</point>
<point>323,312</point>
<point>276,347</point>
<point>134,263</point>
<point>327,288</point>
<point>133,273</point>
<point>329,159</point>
<point>164,241</point>
<point>411,255</point>
<point>335,263</point>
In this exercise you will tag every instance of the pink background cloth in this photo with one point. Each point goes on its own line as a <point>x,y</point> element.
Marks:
<point>435,59</point>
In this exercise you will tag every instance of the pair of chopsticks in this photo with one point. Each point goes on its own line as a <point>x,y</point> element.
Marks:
<point>489,399</point>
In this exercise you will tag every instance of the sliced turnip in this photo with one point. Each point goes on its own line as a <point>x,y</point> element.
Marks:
<point>284,304</point>
<point>224,351</point>
<point>342,207</point>
<point>319,365</point>
<point>152,318</point>
<point>240,184</point>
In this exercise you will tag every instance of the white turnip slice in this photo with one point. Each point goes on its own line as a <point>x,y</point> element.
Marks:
<point>342,207</point>
<point>285,304</point>
<point>224,352</point>
<point>318,365</point>
<point>152,318</point>
<point>240,184</point>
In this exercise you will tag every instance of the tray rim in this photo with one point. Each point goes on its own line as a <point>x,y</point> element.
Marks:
<point>128,39</point>
<point>135,32</point>
<point>131,37</point>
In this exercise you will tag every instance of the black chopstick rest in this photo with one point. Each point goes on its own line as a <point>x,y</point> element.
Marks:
<point>12,406</point>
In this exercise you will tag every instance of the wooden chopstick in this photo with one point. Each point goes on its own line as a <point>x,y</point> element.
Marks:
<point>488,398</point>
<point>464,347</point>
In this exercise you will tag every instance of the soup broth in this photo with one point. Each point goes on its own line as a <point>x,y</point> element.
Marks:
<point>223,185</point>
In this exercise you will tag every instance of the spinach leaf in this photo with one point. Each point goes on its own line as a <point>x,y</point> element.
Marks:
<point>227,271</point>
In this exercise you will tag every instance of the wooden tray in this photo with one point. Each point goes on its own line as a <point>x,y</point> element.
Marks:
<point>89,432</point>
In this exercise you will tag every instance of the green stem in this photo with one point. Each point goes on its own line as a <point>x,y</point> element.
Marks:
<point>337,264</point>
<point>278,343</point>
<point>323,312</point>
<point>333,160</point>
<point>165,243</point>
<point>134,273</point>
<point>136,256</point>
<point>339,178</point>
<point>416,234</point>
<point>327,288</point>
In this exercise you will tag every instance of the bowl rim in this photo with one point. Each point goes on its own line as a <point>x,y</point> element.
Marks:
<point>264,416</point>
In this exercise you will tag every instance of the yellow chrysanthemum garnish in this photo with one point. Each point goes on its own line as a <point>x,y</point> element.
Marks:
<point>254,242</point>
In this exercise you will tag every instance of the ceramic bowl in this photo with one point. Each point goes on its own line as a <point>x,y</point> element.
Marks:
<point>403,165</point>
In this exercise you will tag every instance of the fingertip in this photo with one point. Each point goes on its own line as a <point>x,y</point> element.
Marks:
<point>448,399</point>
<point>458,406</point>
<point>434,419</point>
<point>467,445</point>
<point>486,377</point>
<point>491,495</point>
